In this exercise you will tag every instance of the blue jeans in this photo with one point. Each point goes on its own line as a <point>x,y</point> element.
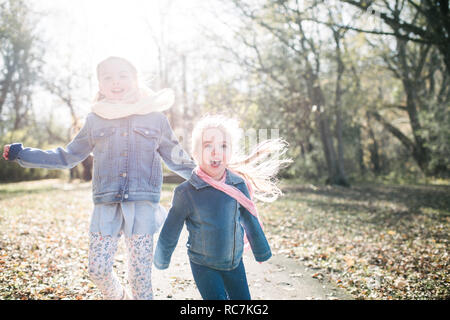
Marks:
<point>221,285</point>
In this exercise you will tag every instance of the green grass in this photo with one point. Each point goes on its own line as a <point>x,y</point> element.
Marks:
<point>9,190</point>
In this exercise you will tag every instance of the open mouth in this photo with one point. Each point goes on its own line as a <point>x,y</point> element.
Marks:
<point>117,91</point>
<point>215,163</point>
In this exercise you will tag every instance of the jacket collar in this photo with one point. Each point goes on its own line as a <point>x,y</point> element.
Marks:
<point>231,179</point>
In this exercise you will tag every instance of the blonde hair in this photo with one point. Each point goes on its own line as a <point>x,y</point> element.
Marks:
<point>259,168</point>
<point>133,70</point>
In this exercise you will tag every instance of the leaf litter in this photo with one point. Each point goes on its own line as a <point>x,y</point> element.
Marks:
<point>374,241</point>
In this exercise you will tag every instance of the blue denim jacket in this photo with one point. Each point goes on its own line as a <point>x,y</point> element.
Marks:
<point>127,156</point>
<point>215,223</point>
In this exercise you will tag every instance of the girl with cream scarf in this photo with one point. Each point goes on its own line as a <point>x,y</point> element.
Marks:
<point>129,136</point>
<point>121,96</point>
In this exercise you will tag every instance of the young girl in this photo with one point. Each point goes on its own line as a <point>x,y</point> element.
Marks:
<point>217,207</point>
<point>128,136</point>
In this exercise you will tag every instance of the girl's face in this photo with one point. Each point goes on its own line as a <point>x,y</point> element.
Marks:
<point>215,152</point>
<point>116,79</point>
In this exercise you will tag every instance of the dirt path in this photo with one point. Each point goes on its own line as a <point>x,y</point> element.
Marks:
<point>279,278</point>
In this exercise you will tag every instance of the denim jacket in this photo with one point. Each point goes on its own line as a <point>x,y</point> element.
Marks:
<point>215,223</point>
<point>127,156</point>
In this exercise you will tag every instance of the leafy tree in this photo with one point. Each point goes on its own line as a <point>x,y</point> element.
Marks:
<point>285,56</point>
<point>418,56</point>
<point>425,22</point>
<point>19,59</point>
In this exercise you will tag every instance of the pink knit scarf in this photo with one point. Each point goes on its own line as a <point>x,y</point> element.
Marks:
<point>233,192</point>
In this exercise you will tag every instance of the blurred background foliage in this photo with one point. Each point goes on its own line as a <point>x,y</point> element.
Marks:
<point>359,89</point>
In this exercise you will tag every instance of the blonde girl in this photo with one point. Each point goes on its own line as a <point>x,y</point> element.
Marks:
<point>216,204</point>
<point>128,136</point>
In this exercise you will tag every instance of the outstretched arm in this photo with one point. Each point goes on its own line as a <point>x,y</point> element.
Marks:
<point>170,233</point>
<point>255,234</point>
<point>75,152</point>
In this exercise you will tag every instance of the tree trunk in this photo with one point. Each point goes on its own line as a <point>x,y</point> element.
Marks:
<point>186,116</point>
<point>373,148</point>
<point>420,155</point>
<point>337,105</point>
<point>335,174</point>
<point>5,85</point>
<point>360,152</point>
<point>420,152</point>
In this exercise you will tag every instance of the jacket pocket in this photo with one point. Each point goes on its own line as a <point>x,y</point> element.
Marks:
<point>102,139</point>
<point>147,138</point>
<point>103,144</point>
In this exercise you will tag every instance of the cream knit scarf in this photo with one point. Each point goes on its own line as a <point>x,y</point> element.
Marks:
<point>139,101</point>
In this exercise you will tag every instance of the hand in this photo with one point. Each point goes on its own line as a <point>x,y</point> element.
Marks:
<point>6,151</point>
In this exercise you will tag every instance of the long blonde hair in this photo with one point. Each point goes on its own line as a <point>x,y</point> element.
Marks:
<point>259,168</point>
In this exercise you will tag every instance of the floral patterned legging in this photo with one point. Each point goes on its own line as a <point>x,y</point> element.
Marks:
<point>102,250</point>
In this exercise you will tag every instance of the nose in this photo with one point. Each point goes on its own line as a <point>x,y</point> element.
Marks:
<point>216,151</point>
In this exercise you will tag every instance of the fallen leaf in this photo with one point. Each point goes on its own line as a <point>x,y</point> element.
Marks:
<point>400,283</point>
<point>349,261</point>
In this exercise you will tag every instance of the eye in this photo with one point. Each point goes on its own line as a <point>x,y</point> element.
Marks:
<point>207,146</point>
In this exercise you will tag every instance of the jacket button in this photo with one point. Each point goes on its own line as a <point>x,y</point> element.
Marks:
<point>146,132</point>
<point>125,196</point>
<point>124,174</point>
